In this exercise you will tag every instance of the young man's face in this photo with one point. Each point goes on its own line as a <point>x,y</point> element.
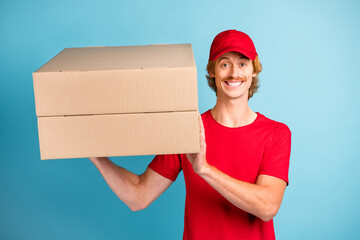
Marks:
<point>233,75</point>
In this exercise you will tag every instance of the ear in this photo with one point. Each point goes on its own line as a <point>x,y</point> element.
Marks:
<point>254,74</point>
<point>211,74</point>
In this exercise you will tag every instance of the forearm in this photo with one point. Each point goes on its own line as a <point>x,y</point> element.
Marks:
<point>253,198</point>
<point>125,184</point>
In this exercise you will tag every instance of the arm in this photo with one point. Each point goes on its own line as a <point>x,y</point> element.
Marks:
<point>136,191</point>
<point>262,199</point>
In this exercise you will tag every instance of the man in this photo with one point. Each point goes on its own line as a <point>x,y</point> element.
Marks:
<point>235,185</point>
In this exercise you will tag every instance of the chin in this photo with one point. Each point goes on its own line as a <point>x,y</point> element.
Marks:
<point>234,96</point>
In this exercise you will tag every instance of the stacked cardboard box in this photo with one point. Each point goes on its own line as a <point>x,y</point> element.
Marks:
<point>117,101</point>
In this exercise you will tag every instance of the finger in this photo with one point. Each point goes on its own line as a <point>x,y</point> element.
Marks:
<point>202,141</point>
<point>202,129</point>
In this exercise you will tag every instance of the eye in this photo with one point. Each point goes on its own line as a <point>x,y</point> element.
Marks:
<point>225,65</point>
<point>242,64</point>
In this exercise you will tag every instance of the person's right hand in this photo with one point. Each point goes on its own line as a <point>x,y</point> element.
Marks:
<point>96,159</point>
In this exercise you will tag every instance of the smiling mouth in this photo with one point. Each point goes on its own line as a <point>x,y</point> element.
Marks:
<point>233,84</point>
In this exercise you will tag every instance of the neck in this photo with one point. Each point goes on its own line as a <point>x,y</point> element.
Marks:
<point>233,112</point>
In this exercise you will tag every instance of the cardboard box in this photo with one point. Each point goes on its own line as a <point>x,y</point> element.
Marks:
<point>117,101</point>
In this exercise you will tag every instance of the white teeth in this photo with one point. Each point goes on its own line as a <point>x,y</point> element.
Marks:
<point>234,84</point>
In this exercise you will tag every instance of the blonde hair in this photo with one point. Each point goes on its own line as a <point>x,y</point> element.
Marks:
<point>210,68</point>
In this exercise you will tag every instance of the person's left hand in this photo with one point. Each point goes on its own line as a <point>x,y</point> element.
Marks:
<point>198,160</point>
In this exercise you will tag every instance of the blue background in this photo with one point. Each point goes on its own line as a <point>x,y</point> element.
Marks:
<point>310,55</point>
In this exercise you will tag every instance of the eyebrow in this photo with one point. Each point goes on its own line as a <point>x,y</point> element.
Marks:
<point>226,58</point>
<point>223,58</point>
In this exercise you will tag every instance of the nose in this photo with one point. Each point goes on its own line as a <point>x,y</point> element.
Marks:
<point>235,72</point>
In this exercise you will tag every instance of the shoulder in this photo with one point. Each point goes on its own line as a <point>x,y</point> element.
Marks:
<point>272,124</point>
<point>275,130</point>
<point>206,116</point>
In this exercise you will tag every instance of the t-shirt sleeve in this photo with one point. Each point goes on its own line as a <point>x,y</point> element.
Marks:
<point>168,166</point>
<point>277,156</point>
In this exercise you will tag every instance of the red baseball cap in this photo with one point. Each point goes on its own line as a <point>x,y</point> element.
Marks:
<point>232,40</point>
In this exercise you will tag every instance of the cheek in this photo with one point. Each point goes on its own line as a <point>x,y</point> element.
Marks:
<point>249,75</point>
<point>248,82</point>
<point>250,72</point>
<point>218,78</point>
<point>217,82</point>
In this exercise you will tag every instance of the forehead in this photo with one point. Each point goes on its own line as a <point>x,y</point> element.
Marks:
<point>232,56</point>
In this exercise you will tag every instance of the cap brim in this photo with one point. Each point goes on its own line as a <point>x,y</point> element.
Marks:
<point>249,54</point>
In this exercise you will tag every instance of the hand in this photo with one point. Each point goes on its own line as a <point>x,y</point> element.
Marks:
<point>96,160</point>
<point>198,160</point>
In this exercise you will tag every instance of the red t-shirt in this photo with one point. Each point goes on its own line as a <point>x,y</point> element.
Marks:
<point>262,147</point>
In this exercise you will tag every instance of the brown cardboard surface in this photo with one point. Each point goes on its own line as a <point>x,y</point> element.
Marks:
<point>121,58</point>
<point>108,80</point>
<point>117,101</point>
<point>118,135</point>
